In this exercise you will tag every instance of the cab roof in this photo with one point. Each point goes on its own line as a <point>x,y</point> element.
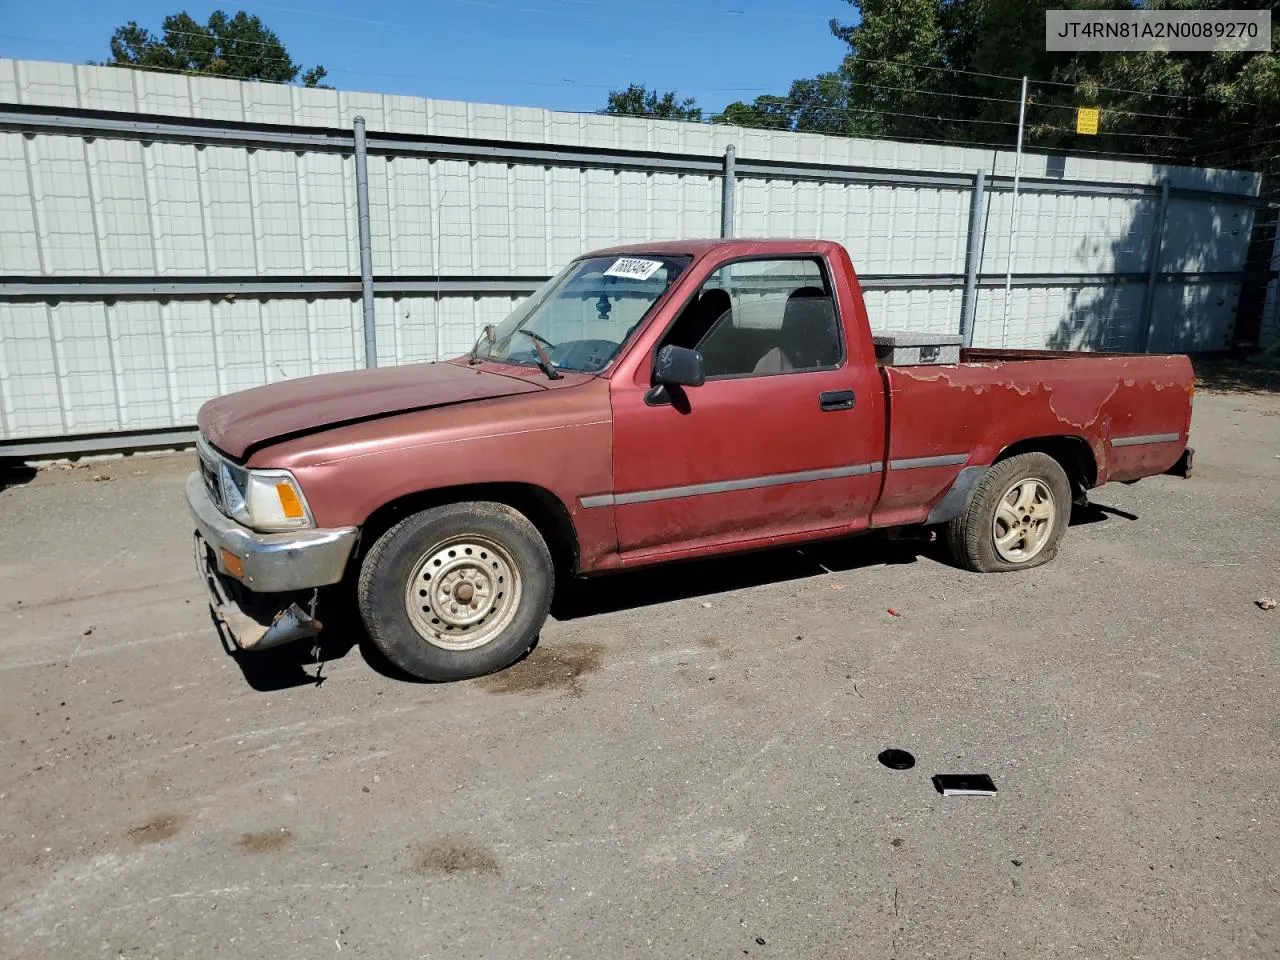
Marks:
<point>724,247</point>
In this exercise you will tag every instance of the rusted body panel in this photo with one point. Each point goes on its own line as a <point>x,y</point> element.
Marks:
<point>745,462</point>
<point>558,440</point>
<point>236,422</point>
<point>750,427</point>
<point>980,408</point>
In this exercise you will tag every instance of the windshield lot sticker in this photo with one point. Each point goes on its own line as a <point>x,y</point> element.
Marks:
<point>633,268</point>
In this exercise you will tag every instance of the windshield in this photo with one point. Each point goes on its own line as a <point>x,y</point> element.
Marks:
<point>583,316</point>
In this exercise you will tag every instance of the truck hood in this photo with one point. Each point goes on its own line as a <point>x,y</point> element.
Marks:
<point>239,422</point>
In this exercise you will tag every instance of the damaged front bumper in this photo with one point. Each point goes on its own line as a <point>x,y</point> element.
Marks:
<point>252,621</point>
<point>255,581</point>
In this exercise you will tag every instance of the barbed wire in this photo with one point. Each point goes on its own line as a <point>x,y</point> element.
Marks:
<point>1187,98</point>
<point>790,105</point>
<point>778,100</point>
<point>844,80</point>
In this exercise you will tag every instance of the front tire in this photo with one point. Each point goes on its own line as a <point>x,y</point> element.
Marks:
<point>1016,517</point>
<point>457,591</point>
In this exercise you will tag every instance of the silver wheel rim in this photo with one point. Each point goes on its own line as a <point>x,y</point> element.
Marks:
<point>1024,520</point>
<point>463,592</point>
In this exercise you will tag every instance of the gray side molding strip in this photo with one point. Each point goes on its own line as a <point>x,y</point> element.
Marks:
<point>727,486</point>
<point>1144,439</point>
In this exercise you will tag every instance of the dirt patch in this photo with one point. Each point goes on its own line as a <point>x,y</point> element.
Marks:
<point>456,856</point>
<point>158,828</point>
<point>265,842</point>
<point>711,643</point>
<point>558,669</point>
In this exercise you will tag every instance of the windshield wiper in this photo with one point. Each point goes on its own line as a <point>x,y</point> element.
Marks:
<point>487,336</point>
<point>544,361</point>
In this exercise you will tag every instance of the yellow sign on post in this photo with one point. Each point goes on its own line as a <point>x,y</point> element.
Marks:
<point>1087,120</point>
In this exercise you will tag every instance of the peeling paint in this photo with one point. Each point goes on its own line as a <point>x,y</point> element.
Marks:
<point>1085,396</point>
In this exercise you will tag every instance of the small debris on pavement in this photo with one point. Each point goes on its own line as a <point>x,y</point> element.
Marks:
<point>964,785</point>
<point>837,586</point>
<point>896,759</point>
<point>1266,603</point>
<point>101,477</point>
<point>893,612</point>
<point>87,632</point>
<point>707,606</point>
<point>1016,863</point>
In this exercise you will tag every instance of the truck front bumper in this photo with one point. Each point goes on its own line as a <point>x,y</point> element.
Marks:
<point>253,578</point>
<point>270,562</point>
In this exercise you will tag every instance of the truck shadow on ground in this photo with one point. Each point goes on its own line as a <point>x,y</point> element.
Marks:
<point>1232,375</point>
<point>297,665</point>
<point>697,578</point>
<point>15,473</point>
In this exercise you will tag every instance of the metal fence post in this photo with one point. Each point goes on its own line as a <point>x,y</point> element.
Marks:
<point>726,196</point>
<point>1147,319</point>
<point>366,245</point>
<point>973,256</point>
<point>1269,323</point>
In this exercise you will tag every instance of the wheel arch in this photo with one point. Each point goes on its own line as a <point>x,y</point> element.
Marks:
<point>1073,454</point>
<point>539,506</point>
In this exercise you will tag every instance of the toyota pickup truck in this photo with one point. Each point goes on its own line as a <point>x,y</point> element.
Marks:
<point>648,404</point>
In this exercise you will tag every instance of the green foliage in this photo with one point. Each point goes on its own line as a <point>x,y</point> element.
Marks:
<point>948,70</point>
<point>239,47</point>
<point>639,101</point>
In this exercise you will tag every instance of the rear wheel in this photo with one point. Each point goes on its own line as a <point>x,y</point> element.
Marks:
<point>456,591</point>
<point>1016,517</point>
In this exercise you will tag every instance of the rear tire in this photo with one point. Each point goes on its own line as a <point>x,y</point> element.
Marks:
<point>457,591</point>
<point>1016,517</point>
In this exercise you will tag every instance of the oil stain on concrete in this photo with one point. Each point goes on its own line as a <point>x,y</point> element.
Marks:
<point>265,842</point>
<point>451,857</point>
<point>158,828</point>
<point>559,668</point>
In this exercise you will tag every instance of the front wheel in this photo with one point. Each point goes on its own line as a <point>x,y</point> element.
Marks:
<point>457,591</point>
<point>1016,517</point>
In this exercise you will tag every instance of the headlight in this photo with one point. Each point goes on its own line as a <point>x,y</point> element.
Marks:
<point>266,500</point>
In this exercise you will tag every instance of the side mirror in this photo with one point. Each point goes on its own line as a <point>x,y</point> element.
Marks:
<point>679,367</point>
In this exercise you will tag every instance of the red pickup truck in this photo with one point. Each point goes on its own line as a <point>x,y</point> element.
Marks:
<point>649,403</point>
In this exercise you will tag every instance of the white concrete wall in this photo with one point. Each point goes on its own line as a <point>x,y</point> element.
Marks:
<point>76,207</point>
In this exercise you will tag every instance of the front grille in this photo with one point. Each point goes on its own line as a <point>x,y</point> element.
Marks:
<point>209,474</point>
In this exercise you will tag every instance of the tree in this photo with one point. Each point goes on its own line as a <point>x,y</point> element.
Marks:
<point>815,105</point>
<point>639,101</point>
<point>893,52</point>
<point>765,112</point>
<point>239,47</point>
<point>949,69</point>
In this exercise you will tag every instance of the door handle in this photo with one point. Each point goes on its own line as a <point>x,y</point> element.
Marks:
<point>837,400</point>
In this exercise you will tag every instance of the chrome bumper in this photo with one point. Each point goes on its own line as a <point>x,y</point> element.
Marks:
<point>273,562</point>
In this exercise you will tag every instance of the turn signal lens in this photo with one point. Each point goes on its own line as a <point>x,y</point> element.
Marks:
<point>289,501</point>
<point>275,502</point>
<point>232,564</point>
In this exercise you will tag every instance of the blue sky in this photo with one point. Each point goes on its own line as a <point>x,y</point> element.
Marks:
<point>562,54</point>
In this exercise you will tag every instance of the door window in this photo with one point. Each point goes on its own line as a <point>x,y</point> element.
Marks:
<point>760,317</point>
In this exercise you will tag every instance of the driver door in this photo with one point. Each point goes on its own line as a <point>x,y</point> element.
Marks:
<point>781,439</point>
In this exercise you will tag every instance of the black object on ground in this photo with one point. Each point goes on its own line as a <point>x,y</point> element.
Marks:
<point>897,759</point>
<point>964,785</point>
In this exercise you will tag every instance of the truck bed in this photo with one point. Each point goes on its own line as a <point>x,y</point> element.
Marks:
<point>1127,416</point>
